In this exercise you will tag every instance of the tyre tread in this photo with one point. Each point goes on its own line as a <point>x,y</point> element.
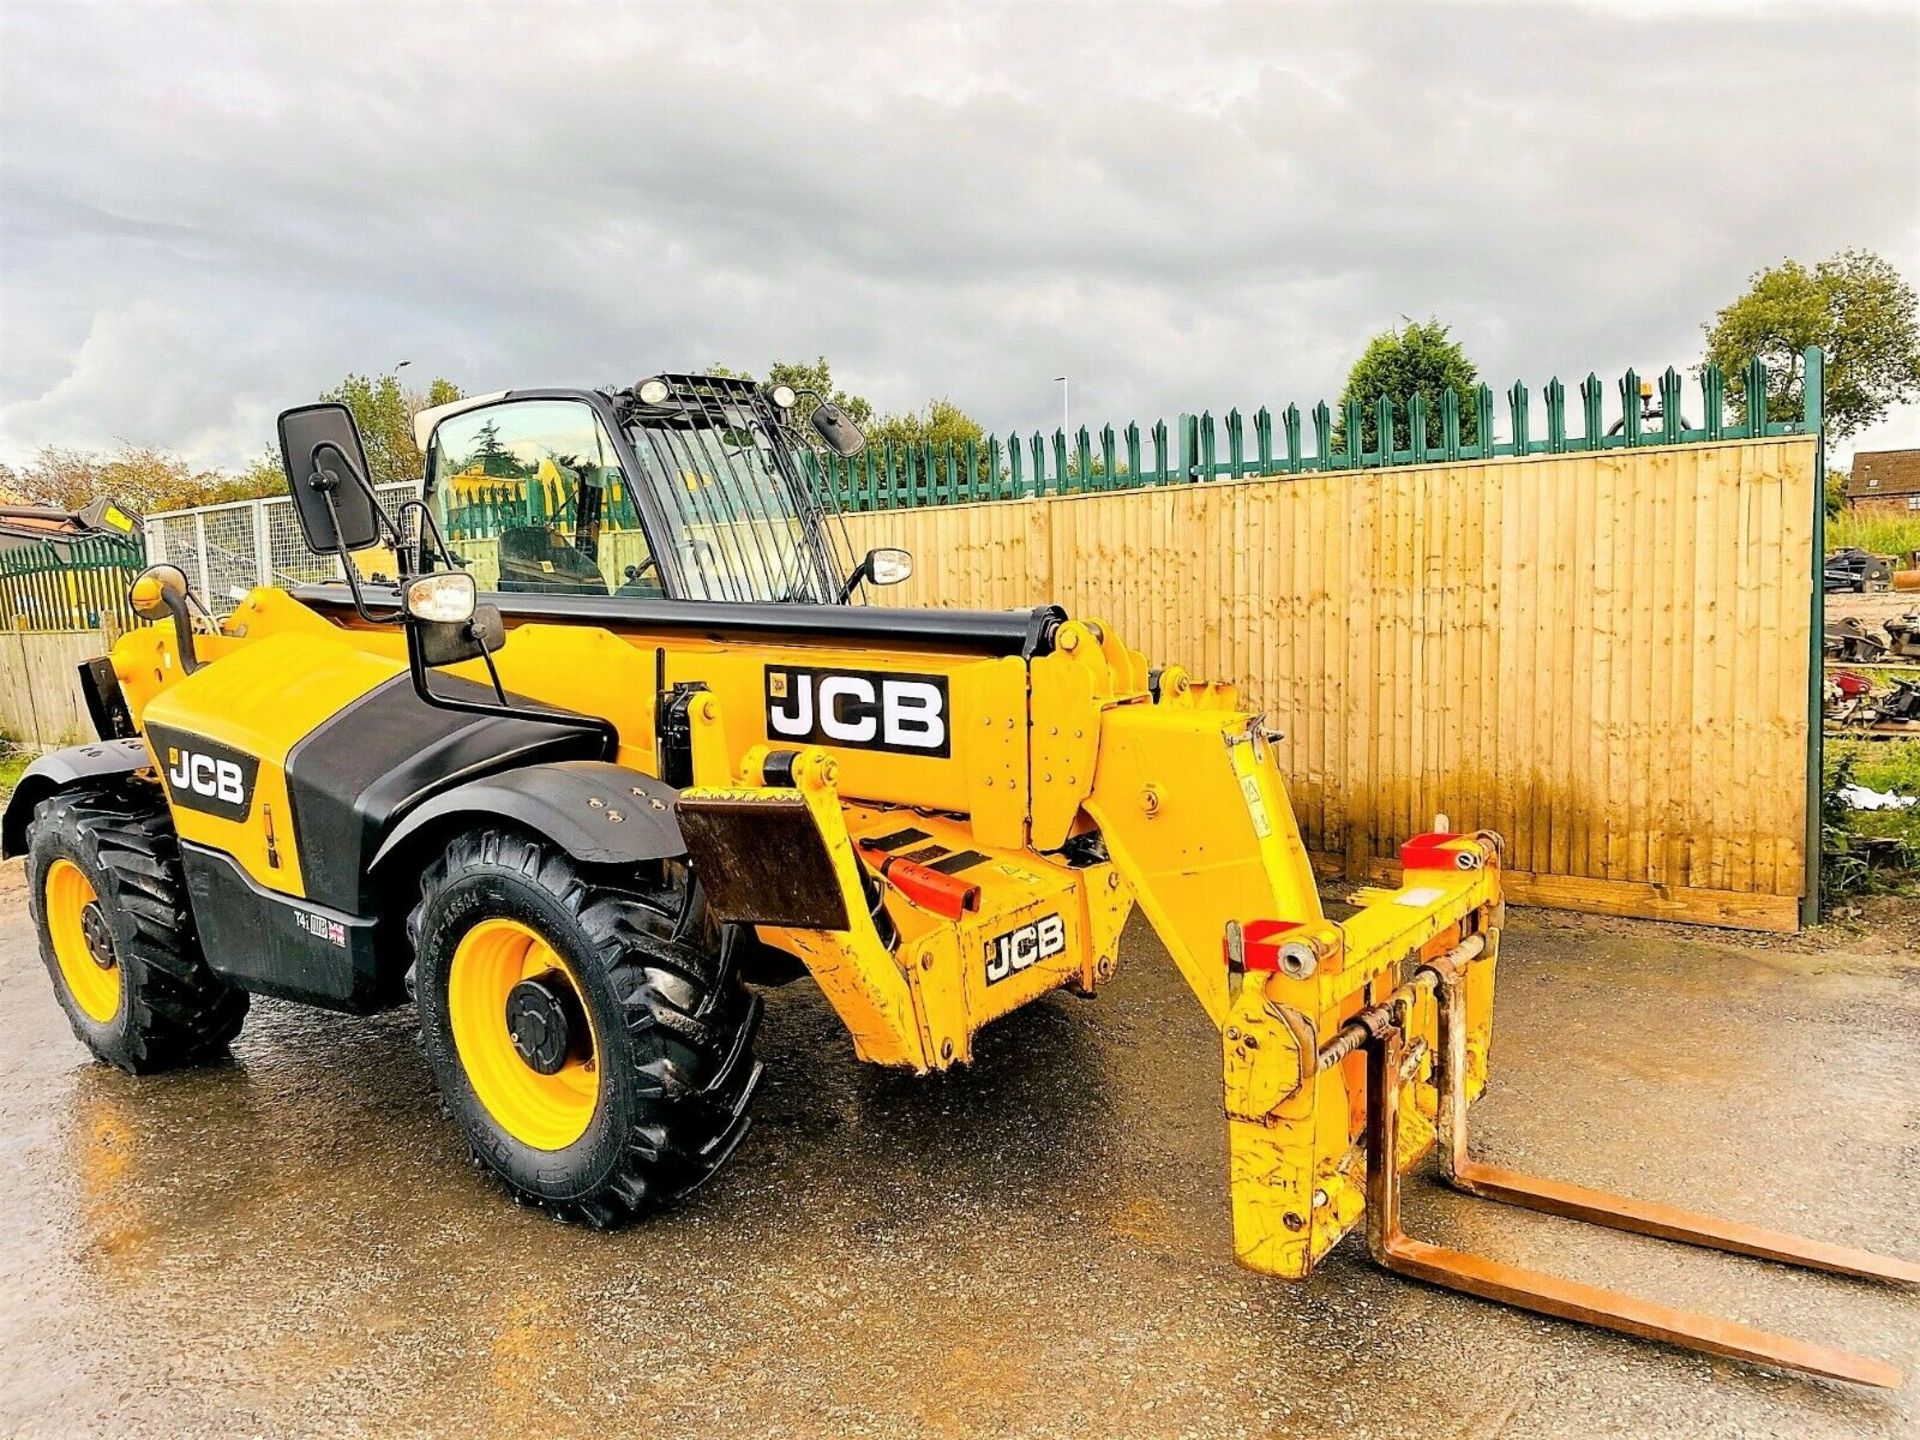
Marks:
<point>694,1020</point>
<point>179,1012</point>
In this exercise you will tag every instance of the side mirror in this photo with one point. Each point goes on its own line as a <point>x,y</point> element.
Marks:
<point>321,451</point>
<point>445,620</point>
<point>888,565</point>
<point>156,590</point>
<point>843,437</point>
<point>160,591</point>
<point>884,566</point>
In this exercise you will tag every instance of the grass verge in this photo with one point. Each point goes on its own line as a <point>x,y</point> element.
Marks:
<point>13,760</point>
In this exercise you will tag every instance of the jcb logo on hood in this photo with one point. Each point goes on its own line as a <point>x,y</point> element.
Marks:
<point>859,709</point>
<point>202,775</point>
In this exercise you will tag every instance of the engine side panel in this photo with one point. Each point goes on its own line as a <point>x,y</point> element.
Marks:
<point>220,738</point>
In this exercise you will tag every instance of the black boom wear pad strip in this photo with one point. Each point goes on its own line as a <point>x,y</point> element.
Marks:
<point>954,864</point>
<point>898,838</point>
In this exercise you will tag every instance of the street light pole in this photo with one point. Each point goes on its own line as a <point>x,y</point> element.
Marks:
<point>1066,413</point>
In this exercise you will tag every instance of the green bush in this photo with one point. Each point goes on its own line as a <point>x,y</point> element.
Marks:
<point>1876,532</point>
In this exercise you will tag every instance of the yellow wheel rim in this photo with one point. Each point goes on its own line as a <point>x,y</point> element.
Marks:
<point>544,1111</point>
<point>82,944</point>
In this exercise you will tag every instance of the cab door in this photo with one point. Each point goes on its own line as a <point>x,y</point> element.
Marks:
<point>533,498</point>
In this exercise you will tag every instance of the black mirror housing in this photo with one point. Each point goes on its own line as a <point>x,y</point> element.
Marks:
<point>836,427</point>
<point>321,452</point>
<point>444,643</point>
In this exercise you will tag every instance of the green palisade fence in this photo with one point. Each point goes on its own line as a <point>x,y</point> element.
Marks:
<point>77,584</point>
<point>483,511</point>
<point>1199,448</point>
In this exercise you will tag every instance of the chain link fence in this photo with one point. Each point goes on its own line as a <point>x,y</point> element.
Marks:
<point>226,550</point>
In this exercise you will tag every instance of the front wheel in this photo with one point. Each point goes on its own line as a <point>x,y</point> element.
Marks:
<point>110,902</point>
<point>601,1067</point>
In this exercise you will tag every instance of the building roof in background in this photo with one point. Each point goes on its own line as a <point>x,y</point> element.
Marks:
<point>1884,472</point>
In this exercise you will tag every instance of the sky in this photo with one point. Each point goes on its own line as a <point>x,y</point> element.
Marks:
<point>211,212</point>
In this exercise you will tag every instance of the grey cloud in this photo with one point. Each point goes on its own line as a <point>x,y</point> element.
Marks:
<point>206,213</point>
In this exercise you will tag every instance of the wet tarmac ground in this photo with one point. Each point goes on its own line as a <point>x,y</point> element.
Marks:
<point>293,1243</point>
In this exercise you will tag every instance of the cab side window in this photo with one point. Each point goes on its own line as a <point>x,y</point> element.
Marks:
<point>531,498</point>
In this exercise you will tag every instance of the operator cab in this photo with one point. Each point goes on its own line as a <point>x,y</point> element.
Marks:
<point>691,487</point>
<point>683,488</point>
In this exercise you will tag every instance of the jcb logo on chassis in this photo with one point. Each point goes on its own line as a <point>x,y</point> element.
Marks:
<point>203,776</point>
<point>859,709</point>
<point>1026,947</point>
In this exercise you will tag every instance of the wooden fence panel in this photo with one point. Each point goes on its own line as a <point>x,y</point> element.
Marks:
<point>1603,656</point>
<point>40,700</point>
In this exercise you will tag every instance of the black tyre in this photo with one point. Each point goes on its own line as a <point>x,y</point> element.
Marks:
<point>116,930</point>
<point>598,1064</point>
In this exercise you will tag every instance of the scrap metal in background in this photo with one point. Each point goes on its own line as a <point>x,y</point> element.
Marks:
<point>1856,708</point>
<point>1851,639</point>
<point>1857,571</point>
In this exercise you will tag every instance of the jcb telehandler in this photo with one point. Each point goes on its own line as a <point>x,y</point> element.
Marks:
<point>578,827</point>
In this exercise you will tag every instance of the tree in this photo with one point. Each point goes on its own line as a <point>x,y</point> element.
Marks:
<point>264,475</point>
<point>942,421</point>
<point>142,478</point>
<point>1854,306</point>
<point>1836,496</point>
<point>1096,466</point>
<point>60,477</point>
<point>816,377</point>
<point>384,411</point>
<point>150,480</point>
<point>489,456</point>
<point>939,422</point>
<point>1417,360</point>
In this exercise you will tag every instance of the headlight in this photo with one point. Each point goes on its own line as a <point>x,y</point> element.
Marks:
<point>784,397</point>
<point>652,392</point>
<point>443,599</point>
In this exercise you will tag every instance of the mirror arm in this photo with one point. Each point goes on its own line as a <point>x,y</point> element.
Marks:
<point>326,482</point>
<point>380,513</point>
<point>347,567</point>
<point>417,668</point>
<point>861,572</point>
<point>427,525</point>
<point>176,604</point>
<point>493,670</point>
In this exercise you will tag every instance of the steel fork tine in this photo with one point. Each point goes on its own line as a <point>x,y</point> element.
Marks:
<point>1544,1294</point>
<point>1618,1212</point>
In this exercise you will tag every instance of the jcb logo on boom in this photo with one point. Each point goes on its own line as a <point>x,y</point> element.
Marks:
<point>203,776</point>
<point>859,709</point>
<point>1026,947</point>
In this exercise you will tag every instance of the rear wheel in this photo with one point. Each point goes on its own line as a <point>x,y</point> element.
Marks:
<point>116,932</point>
<point>598,1064</point>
